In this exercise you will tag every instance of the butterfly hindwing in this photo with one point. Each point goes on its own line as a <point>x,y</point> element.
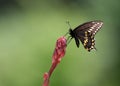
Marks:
<point>88,41</point>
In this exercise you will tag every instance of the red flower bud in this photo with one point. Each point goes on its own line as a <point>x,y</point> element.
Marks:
<point>60,49</point>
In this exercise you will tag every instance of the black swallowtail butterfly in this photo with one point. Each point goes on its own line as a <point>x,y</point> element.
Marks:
<point>85,33</point>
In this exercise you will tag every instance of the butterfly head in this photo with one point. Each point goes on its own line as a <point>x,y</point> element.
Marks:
<point>71,32</point>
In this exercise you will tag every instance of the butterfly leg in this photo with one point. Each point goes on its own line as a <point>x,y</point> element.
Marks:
<point>69,40</point>
<point>66,33</point>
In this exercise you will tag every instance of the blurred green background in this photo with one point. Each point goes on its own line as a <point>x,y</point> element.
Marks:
<point>30,28</point>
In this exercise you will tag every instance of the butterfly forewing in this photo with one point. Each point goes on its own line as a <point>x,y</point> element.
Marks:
<point>86,33</point>
<point>92,26</point>
<point>95,27</point>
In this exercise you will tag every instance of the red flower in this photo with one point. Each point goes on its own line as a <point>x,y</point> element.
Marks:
<point>60,49</point>
<point>59,52</point>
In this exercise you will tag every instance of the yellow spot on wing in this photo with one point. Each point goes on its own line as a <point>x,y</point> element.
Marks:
<point>85,42</point>
<point>85,33</point>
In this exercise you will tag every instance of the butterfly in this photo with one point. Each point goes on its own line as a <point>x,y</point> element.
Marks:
<point>86,33</point>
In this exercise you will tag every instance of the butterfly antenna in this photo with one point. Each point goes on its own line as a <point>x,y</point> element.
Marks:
<point>69,26</point>
<point>68,23</point>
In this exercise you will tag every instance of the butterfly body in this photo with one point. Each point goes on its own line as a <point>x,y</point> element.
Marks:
<point>85,33</point>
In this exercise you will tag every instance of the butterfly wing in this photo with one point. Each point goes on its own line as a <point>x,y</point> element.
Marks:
<point>86,33</point>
